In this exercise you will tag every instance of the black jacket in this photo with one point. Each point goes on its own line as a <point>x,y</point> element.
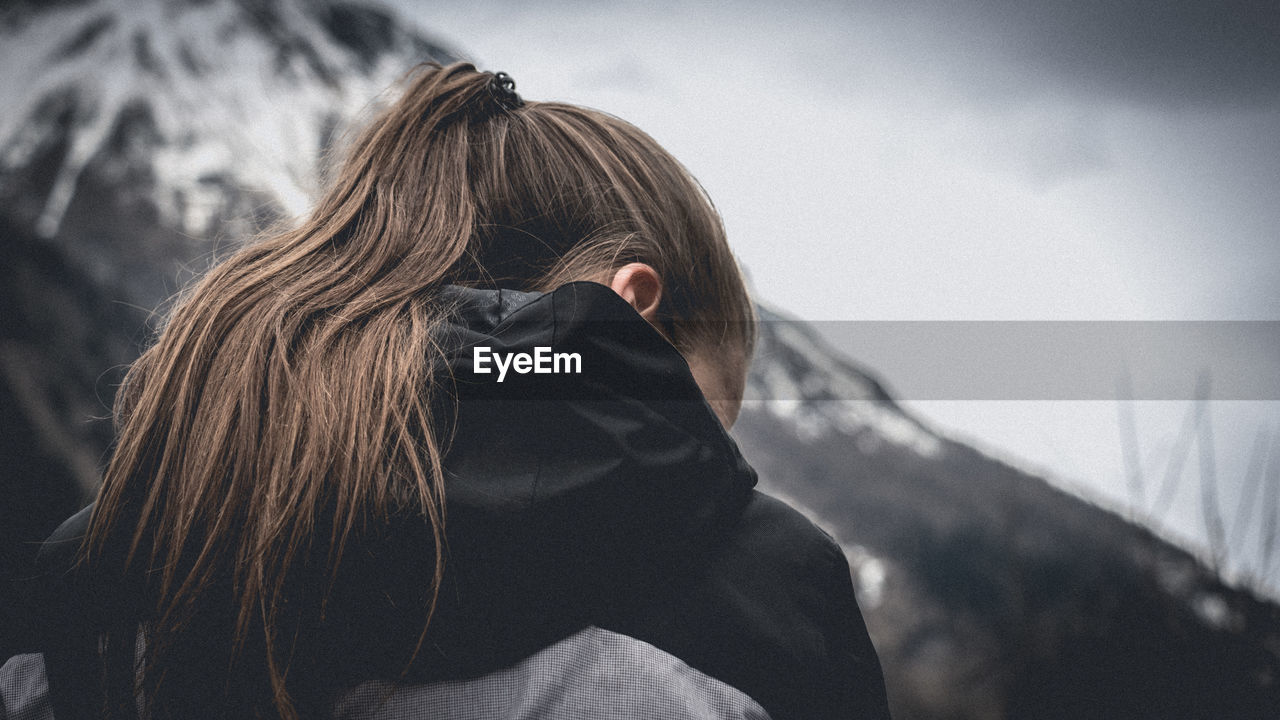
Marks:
<point>610,497</point>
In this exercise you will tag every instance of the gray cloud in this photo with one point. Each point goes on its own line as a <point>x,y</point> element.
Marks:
<point>1175,53</point>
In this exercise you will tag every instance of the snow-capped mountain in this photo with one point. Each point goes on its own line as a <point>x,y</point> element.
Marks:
<point>139,136</point>
<point>799,379</point>
<point>203,115</point>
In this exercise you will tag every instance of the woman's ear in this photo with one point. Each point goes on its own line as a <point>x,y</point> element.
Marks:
<point>640,286</point>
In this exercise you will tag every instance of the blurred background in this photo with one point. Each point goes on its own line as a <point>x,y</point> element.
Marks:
<point>1018,265</point>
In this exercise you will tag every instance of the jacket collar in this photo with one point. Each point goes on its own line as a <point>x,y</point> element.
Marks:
<point>630,436</point>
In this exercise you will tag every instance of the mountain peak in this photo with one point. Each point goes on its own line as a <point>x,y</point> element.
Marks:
<point>799,378</point>
<point>192,97</point>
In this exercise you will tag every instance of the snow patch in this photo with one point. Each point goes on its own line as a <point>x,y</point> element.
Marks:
<point>800,380</point>
<point>870,573</point>
<point>233,108</point>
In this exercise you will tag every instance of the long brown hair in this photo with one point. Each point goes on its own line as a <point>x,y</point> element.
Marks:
<point>287,405</point>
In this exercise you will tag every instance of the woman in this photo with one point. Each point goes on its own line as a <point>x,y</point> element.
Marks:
<point>464,425</point>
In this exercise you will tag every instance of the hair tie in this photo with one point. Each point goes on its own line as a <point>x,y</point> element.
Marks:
<point>503,90</point>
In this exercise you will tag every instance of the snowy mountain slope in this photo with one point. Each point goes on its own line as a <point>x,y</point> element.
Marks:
<point>197,113</point>
<point>799,379</point>
<point>139,135</point>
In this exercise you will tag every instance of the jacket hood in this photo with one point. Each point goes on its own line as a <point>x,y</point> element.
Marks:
<point>564,492</point>
<point>614,438</point>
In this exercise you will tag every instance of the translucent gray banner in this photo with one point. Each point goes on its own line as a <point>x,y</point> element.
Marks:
<point>1038,360</point>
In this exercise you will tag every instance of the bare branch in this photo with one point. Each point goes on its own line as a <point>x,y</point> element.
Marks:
<point>1129,441</point>
<point>1209,508</point>
<point>1177,459</point>
<point>1245,510</point>
<point>1270,508</point>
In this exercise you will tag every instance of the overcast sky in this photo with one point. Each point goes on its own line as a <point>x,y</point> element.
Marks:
<point>994,160</point>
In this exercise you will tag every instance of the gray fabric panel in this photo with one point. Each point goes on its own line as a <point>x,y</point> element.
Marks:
<point>593,675</point>
<point>24,692</point>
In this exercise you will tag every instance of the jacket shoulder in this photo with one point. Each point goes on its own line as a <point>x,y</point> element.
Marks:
<point>769,609</point>
<point>594,673</point>
<point>821,603</point>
